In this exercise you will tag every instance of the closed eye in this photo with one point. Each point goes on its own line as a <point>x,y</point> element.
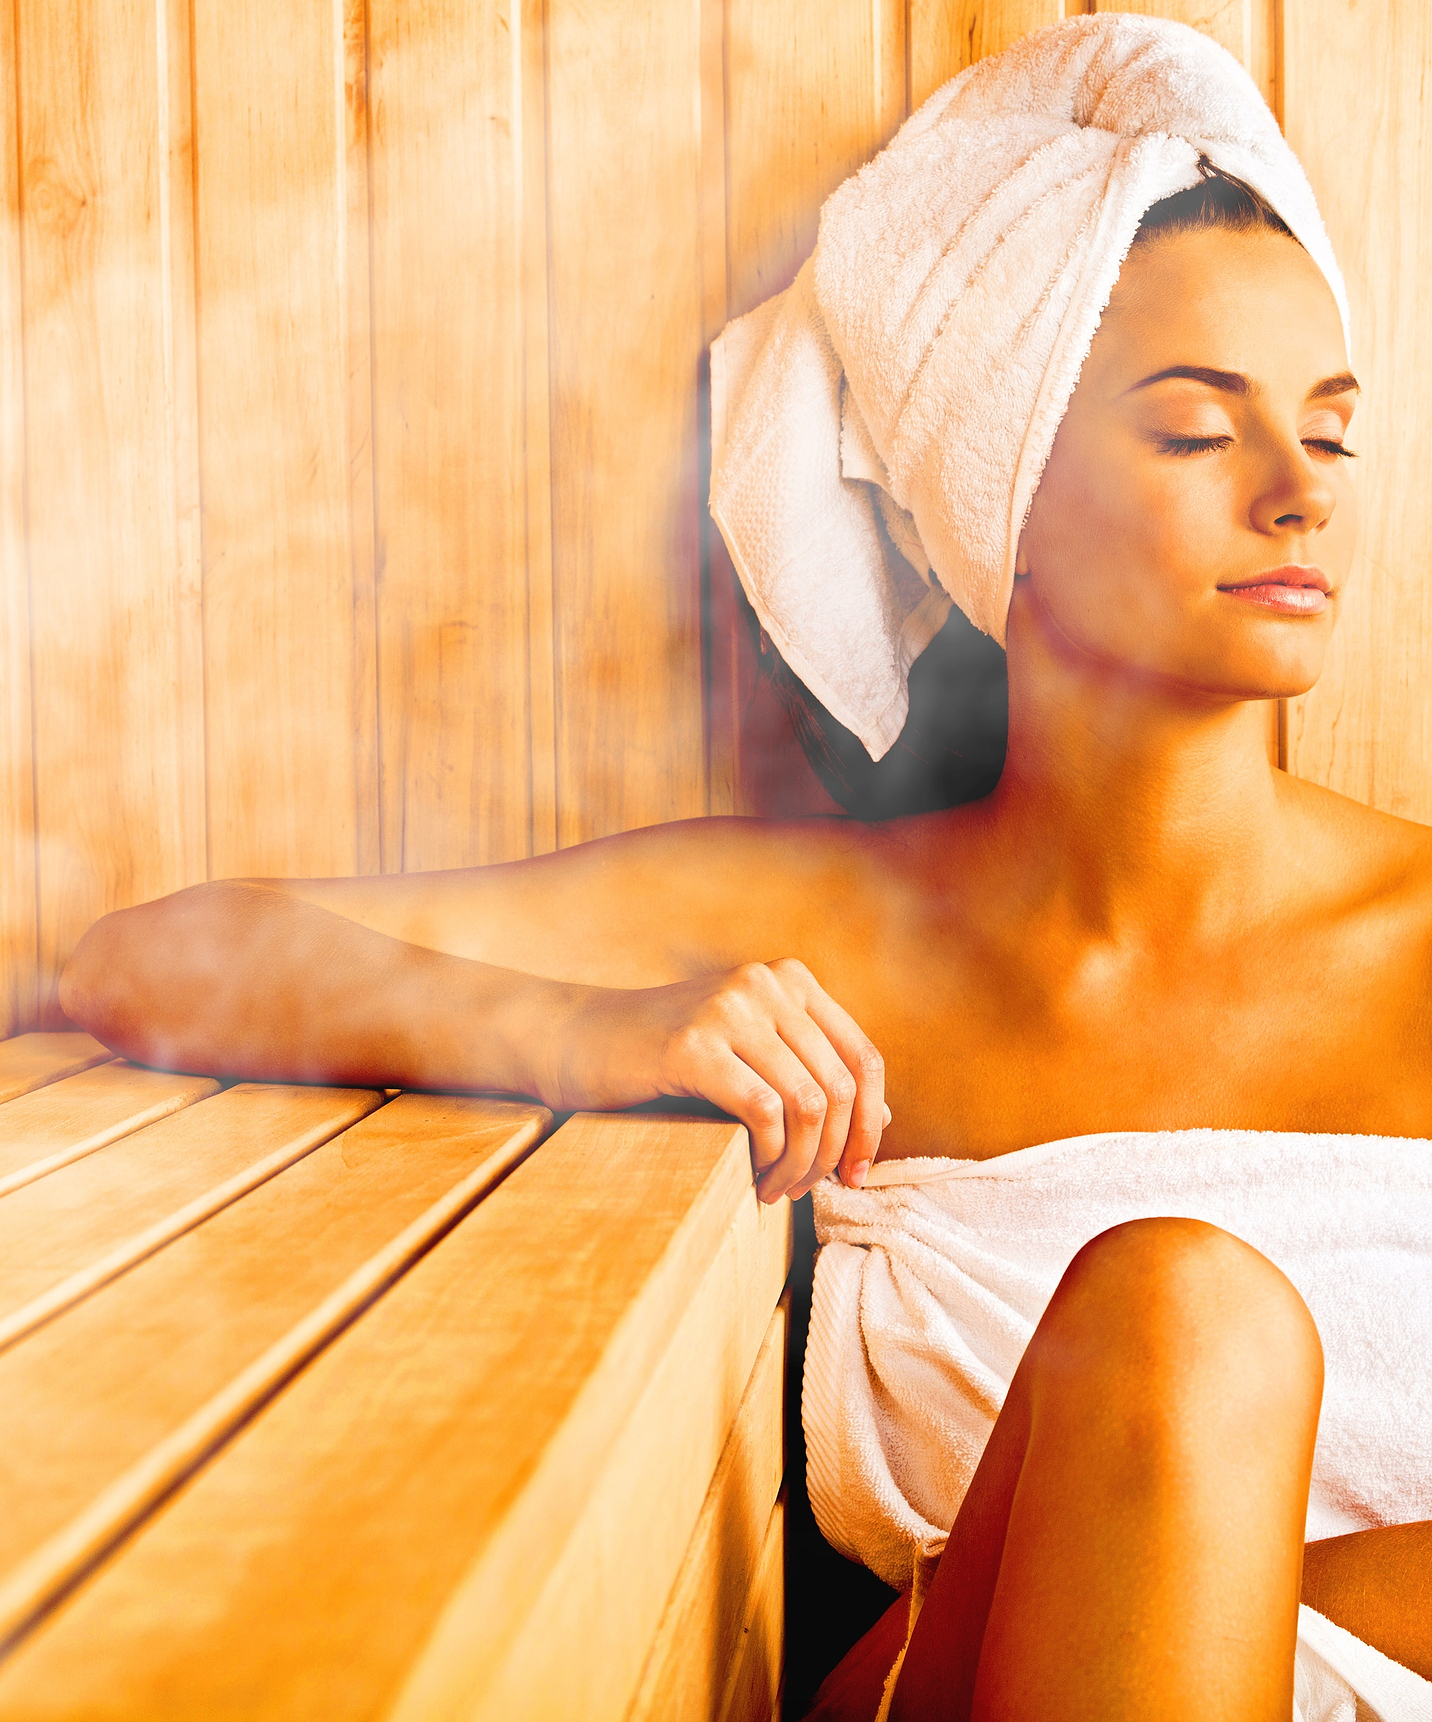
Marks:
<point>1206,444</point>
<point>1193,444</point>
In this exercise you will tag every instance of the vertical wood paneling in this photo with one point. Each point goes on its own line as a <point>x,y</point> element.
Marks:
<point>442,602</point>
<point>274,269</point>
<point>1358,110</point>
<point>448,225</point>
<point>813,89</point>
<point>537,470</point>
<point>352,93</point>
<point>18,930</point>
<point>1229,22</point>
<point>108,457</point>
<point>626,345</point>
<point>948,35</point>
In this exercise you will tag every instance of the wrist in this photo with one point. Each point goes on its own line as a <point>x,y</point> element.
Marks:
<point>529,1036</point>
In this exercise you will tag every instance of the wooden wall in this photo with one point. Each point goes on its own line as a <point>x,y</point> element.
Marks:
<point>351,421</point>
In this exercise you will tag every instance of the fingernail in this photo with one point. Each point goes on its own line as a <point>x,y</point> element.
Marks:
<point>857,1173</point>
<point>886,1124</point>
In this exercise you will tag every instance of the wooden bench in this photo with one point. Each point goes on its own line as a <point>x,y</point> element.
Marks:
<point>340,1403</point>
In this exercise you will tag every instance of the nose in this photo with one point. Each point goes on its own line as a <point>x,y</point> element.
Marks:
<point>1298,495</point>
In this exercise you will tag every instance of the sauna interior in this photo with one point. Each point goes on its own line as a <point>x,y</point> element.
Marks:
<point>352,470</point>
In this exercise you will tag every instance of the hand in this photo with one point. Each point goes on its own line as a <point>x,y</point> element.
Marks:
<point>764,1042</point>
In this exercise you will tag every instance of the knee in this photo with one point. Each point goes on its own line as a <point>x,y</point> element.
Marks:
<point>1176,1308</point>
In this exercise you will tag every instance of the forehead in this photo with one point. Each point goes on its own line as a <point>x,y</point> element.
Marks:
<point>1255,303</point>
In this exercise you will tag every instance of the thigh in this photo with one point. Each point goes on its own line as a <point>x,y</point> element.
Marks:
<point>1131,1543</point>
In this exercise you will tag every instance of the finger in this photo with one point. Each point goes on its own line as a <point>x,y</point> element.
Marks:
<point>716,1074</point>
<point>859,1055</point>
<point>812,1047</point>
<point>806,1105</point>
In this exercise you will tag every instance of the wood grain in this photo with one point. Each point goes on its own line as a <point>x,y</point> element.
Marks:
<point>945,37</point>
<point>275,261</point>
<point>813,89</point>
<point>1358,110</point>
<point>537,400</point>
<point>1229,22</point>
<point>19,925</point>
<point>29,1061</point>
<point>77,1229</point>
<point>111,596</point>
<point>448,240</point>
<point>754,1689</point>
<point>626,344</point>
<point>64,1122</point>
<point>703,1627</point>
<point>458,1439</point>
<point>120,1398</point>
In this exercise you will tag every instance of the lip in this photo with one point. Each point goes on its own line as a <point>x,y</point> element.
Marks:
<point>1295,589</point>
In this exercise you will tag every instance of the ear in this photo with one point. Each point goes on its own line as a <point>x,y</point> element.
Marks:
<point>1021,559</point>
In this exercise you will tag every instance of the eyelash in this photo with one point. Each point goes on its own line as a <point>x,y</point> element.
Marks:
<point>1204,444</point>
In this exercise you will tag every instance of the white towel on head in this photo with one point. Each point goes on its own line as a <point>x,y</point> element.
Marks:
<point>890,414</point>
<point>930,1281</point>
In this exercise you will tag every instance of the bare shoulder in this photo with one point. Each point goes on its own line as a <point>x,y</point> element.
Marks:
<point>636,909</point>
<point>1379,858</point>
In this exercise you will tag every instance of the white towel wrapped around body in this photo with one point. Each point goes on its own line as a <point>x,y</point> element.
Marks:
<point>879,429</point>
<point>930,1281</point>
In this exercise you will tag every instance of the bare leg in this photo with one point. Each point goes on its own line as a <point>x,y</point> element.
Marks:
<point>1131,1545</point>
<point>1377,1584</point>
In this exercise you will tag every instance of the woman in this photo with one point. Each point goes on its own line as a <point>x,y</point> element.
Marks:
<point>1144,928</point>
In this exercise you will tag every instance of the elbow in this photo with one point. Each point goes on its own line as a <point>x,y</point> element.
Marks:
<point>94,984</point>
<point>141,979</point>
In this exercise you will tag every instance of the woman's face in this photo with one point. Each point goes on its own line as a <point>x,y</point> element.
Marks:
<point>1195,520</point>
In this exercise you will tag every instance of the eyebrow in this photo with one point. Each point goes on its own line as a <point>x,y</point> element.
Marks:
<point>1235,383</point>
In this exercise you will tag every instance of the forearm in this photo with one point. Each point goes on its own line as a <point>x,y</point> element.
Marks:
<point>1377,1585</point>
<point>248,980</point>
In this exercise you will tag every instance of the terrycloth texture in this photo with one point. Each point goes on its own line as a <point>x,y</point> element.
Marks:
<point>890,414</point>
<point>930,1281</point>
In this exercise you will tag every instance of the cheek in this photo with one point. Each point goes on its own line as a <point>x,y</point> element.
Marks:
<point>1120,546</point>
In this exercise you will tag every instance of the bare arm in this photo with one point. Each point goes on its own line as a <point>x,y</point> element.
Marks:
<point>628,988</point>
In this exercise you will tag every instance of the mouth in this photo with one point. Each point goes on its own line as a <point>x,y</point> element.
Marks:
<point>1296,589</point>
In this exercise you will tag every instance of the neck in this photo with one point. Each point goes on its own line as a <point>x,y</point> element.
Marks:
<point>1133,806</point>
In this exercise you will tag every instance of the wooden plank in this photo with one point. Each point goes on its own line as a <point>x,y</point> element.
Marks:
<point>946,37</point>
<point>626,345</point>
<point>537,398</point>
<point>355,266</point>
<point>705,1624</point>
<point>57,1125</point>
<point>810,97</point>
<point>461,1466</point>
<point>79,1228</point>
<point>1229,22</point>
<point>1366,729</point>
<point>449,227</point>
<point>112,606</point>
<point>19,926</point>
<point>754,1691</point>
<point>283,607</point>
<point>117,1400</point>
<point>29,1061</point>
<point>719,618</point>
